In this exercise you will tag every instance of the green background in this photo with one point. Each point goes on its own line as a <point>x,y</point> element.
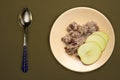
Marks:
<point>42,64</point>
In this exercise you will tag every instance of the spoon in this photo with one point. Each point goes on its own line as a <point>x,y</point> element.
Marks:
<point>25,19</point>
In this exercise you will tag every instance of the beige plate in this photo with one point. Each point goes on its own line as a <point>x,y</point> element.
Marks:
<point>81,15</point>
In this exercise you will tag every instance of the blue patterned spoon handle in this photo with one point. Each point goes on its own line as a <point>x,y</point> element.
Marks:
<point>25,57</point>
<point>25,60</point>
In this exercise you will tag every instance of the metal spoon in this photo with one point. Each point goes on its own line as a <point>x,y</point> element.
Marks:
<point>25,19</point>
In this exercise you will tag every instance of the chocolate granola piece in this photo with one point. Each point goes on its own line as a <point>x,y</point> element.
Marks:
<point>71,49</point>
<point>66,39</point>
<point>72,27</point>
<point>91,27</point>
<point>74,34</point>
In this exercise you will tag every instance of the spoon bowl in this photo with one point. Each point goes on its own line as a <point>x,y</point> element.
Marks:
<point>25,18</point>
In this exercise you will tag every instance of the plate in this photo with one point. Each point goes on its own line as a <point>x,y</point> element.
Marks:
<point>81,15</point>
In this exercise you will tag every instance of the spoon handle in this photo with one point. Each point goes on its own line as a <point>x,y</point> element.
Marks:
<point>25,60</point>
<point>25,57</point>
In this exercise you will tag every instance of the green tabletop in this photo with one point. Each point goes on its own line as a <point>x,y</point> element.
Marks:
<point>42,64</point>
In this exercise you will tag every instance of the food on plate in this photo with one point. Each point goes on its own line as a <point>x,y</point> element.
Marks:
<point>102,34</point>
<point>98,39</point>
<point>77,35</point>
<point>92,49</point>
<point>89,52</point>
<point>85,41</point>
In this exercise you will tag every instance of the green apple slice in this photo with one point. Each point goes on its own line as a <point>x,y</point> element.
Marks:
<point>89,53</point>
<point>98,39</point>
<point>102,34</point>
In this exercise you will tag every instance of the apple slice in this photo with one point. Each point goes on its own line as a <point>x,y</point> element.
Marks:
<point>102,34</point>
<point>89,52</point>
<point>98,39</point>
